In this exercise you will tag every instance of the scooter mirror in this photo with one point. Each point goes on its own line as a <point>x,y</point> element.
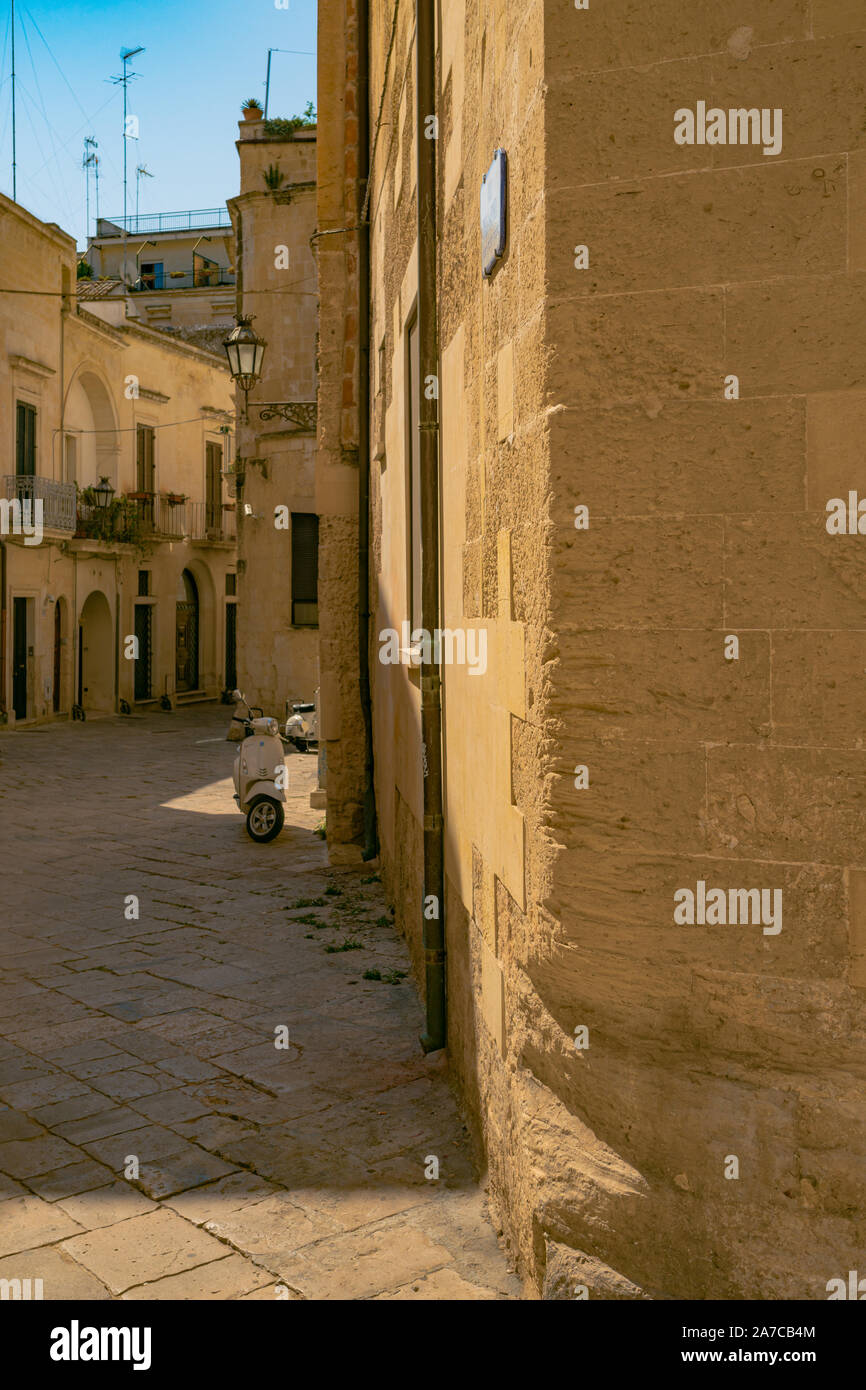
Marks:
<point>236,695</point>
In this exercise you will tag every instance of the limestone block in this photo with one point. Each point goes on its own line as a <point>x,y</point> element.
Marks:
<point>622,574</point>
<point>643,796</point>
<point>601,359</point>
<point>823,585</point>
<point>857,927</point>
<point>673,686</point>
<point>804,805</point>
<point>797,336</point>
<point>694,456</point>
<point>620,123</point>
<point>492,998</point>
<point>818,688</point>
<point>835,427</point>
<point>742,224</point>
<point>568,1270</point>
<point>820,85</point>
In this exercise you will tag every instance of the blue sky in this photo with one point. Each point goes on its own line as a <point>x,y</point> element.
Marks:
<point>201,59</point>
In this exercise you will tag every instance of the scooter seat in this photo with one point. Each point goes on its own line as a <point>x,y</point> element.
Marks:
<point>303,709</point>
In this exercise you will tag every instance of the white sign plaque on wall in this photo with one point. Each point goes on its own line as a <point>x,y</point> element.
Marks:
<point>494,213</point>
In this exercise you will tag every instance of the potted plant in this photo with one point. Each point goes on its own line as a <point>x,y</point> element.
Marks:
<point>174,499</point>
<point>252,109</point>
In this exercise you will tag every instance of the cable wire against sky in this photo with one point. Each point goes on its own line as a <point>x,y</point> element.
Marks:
<point>301,52</point>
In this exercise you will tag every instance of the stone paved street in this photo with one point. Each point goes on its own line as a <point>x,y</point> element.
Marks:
<point>155,1143</point>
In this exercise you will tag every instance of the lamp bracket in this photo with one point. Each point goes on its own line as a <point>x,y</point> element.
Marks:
<point>301,414</point>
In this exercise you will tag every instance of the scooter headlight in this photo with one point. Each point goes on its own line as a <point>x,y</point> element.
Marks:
<point>273,728</point>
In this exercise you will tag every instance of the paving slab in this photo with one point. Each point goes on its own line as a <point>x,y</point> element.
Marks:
<point>61,1276</point>
<point>228,1278</point>
<point>362,1263</point>
<point>142,1249</point>
<point>26,1222</point>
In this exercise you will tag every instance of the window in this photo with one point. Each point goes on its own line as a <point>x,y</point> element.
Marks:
<point>305,569</point>
<point>213,487</point>
<point>143,583</point>
<point>70,458</point>
<point>152,275</point>
<point>25,439</point>
<point>413,480</point>
<point>231,584</point>
<point>145,472</point>
<point>144,464</point>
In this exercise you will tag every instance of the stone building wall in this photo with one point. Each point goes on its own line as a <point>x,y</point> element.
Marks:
<point>277,658</point>
<point>619,747</point>
<point>340,204</point>
<point>739,769</point>
<point>493,512</point>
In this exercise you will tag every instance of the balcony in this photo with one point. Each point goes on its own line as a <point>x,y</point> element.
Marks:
<point>211,523</point>
<point>58,501</point>
<point>145,516</point>
<point>123,520</point>
<point>163,222</point>
<point>202,278</point>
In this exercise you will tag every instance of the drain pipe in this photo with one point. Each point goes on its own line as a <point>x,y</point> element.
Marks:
<point>371,840</point>
<point>433,906</point>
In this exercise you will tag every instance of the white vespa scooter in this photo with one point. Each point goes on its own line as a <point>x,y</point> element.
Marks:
<point>259,773</point>
<point>302,725</point>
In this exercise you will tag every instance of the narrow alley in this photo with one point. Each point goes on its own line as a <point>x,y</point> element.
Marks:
<point>158,1138</point>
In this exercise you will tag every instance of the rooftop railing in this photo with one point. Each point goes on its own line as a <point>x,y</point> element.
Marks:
<point>163,222</point>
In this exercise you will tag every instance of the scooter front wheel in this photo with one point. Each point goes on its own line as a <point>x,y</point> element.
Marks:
<point>265,819</point>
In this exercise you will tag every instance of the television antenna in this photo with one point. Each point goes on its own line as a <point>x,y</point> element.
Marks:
<point>126,54</point>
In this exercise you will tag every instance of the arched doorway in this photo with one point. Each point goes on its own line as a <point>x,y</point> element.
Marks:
<point>96,654</point>
<point>186,645</point>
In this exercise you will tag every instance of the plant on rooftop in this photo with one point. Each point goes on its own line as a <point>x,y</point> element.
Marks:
<point>284,127</point>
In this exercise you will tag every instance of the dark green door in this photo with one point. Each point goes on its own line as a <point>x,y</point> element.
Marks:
<point>231,645</point>
<point>19,657</point>
<point>143,631</point>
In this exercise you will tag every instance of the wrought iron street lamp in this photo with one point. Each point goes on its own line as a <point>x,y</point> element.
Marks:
<point>245,352</point>
<point>103,492</point>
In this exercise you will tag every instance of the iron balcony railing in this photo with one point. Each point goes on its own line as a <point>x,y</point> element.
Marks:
<point>184,279</point>
<point>58,501</point>
<point>147,516</point>
<point>163,222</point>
<point>209,522</point>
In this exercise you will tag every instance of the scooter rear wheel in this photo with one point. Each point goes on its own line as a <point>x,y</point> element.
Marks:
<point>265,819</point>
